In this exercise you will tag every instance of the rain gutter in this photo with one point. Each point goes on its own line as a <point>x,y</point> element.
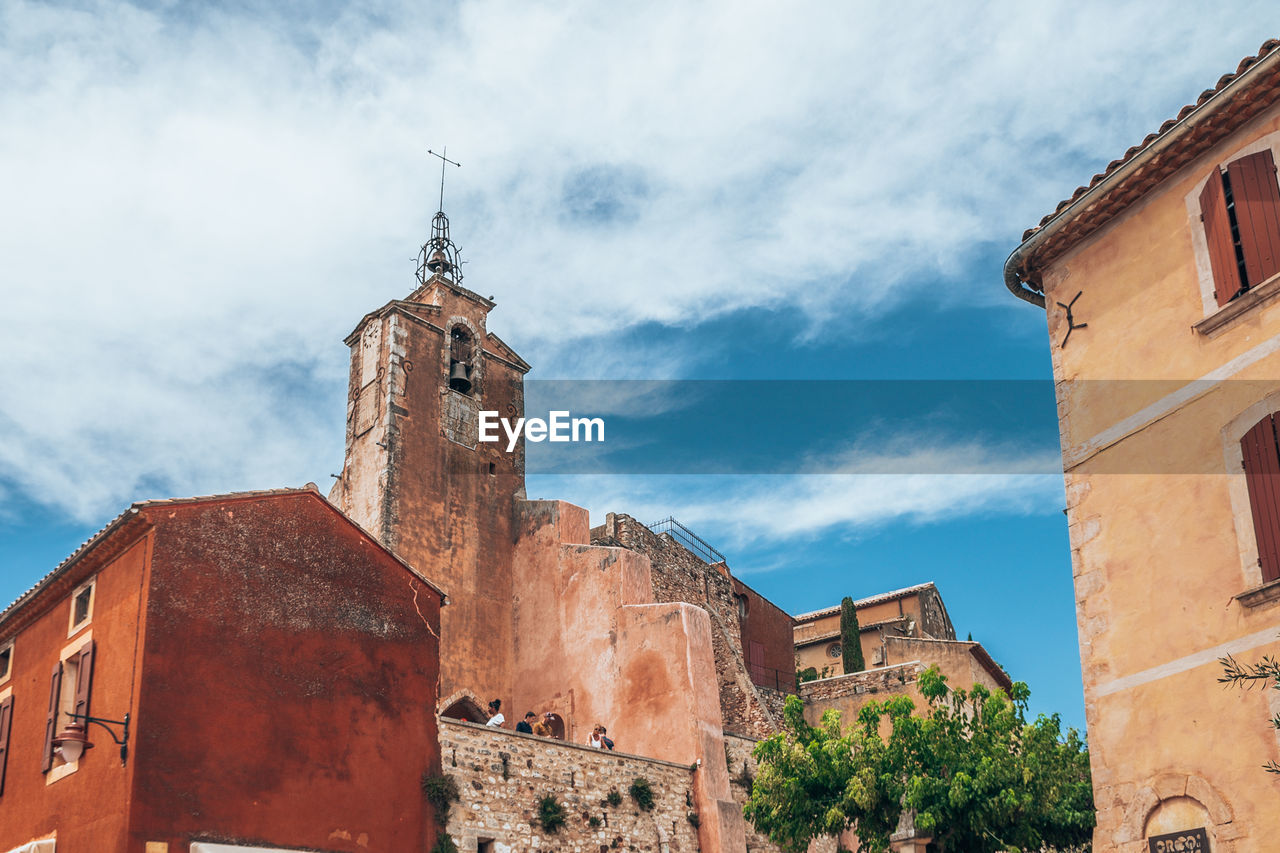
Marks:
<point>1017,284</point>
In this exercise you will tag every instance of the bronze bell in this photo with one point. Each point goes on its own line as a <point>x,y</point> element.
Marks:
<point>439,262</point>
<point>458,380</point>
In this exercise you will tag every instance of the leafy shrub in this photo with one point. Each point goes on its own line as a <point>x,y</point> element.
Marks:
<point>613,798</point>
<point>550,814</point>
<point>441,791</point>
<point>642,793</point>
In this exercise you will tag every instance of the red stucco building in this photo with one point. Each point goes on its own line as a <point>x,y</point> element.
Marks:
<point>278,667</point>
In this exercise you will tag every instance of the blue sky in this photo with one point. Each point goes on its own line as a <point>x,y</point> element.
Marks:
<point>200,201</point>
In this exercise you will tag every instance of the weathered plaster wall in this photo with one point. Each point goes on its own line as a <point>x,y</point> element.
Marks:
<point>766,640</point>
<point>679,576</point>
<point>88,808</point>
<point>593,645</point>
<point>288,683</point>
<point>421,482</point>
<point>502,775</point>
<point>1163,542</point>
<point>963,662</point>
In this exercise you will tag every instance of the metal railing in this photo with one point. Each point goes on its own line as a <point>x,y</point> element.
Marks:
<point>692,542</point>
<point>782,680</point>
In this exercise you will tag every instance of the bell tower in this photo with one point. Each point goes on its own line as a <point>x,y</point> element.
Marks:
<point>415,474</point>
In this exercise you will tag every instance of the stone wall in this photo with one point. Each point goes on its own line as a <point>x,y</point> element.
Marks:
<point>885,679</point>
<point>848,693</point>
<point>934,621</point>
<point>774,700</point>
<point>742,772</point>
<point>502,775</point>
<point>680,576</point>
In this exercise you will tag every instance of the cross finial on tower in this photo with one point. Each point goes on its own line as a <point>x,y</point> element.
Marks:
<point>439,255</point>
<point>443,161</point>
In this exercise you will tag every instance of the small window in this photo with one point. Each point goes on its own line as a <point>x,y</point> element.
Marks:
<point>835,650</point>
<point>1240,209</point>
<point>6,661</point>
<point>82,606</point>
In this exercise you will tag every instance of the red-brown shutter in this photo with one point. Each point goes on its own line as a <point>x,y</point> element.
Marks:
<point>51,724</point>
<point>1217,231</point>
<point>1257,200</point>
<point>6,721</point>
<point>1262,473</point>
<point>84,681</point>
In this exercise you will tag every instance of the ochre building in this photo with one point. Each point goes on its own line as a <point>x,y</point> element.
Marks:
<point>1159,281</point>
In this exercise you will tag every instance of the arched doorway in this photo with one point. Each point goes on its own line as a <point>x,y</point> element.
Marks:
<point>465,709</point>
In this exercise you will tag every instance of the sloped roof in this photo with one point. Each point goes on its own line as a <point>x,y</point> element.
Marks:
<point>868,602</point>
<point>134,513</point>
<point>1235,99</point>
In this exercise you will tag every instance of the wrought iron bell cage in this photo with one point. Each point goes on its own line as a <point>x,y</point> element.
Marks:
<point>439,255</point>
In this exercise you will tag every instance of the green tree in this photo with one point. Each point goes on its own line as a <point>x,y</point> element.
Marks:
<point>850,637</point>
<point>1263,672</point>
<point>979,777</point>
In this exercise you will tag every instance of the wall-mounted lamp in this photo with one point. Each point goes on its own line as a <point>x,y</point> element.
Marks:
<point>73,740</point>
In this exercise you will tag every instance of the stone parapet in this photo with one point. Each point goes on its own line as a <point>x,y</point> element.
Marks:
<point>502,776</point>
<point>885,679</point>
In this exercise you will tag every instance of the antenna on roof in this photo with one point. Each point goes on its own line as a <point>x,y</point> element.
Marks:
<point>443,161</point>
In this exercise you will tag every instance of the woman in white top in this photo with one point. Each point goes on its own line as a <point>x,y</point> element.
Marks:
<point>496,718</point>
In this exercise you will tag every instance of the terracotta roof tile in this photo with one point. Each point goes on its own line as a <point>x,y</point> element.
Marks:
<point>867,602</point>
<point>1225,80</point>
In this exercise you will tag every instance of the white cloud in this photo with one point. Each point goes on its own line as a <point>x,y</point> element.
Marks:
<point>914,487</point>
<point>199,203</point>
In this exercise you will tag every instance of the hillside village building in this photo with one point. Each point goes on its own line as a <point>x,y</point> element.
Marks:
<point>292,671</point>
<point>916,611</point>
<point>902,633</point>
<point>1167,407</point>
<point>266,705</point>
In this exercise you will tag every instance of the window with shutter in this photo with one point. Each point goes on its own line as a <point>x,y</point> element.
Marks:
<point>70,689</point>
<point>51,722</point>
<point>84,680</point>
<point>6,722</point>
<point>1261,453</point>
<point>1240,209</point>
